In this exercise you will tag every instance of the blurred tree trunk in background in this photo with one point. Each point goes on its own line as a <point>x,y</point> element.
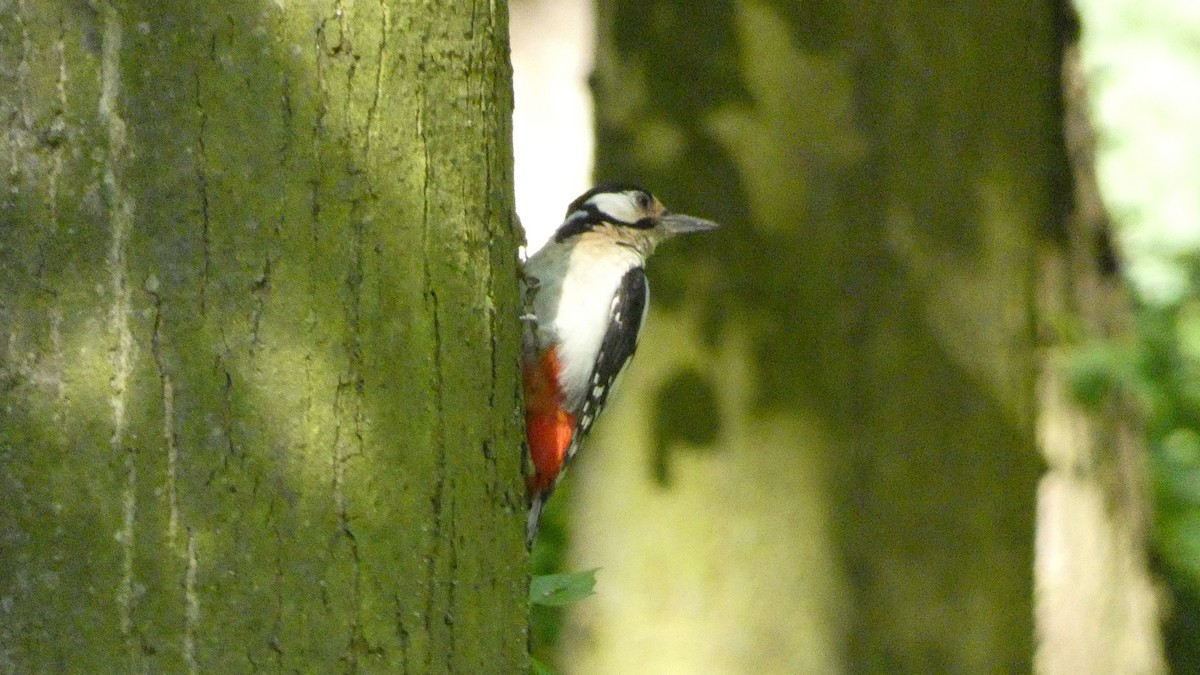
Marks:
<point>824,458</point>
<point>1097,608</point>
<point>257,276</point>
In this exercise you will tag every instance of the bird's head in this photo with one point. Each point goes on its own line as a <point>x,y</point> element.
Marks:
<point>629,214</point>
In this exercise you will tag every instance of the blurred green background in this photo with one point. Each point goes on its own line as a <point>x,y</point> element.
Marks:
<point>870,339</point>
<point>1142,62</point>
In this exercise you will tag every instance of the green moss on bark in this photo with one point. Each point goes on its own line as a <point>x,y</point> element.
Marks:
<point>261,371</point>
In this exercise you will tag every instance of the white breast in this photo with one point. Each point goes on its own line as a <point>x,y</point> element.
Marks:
<point>577,282</point>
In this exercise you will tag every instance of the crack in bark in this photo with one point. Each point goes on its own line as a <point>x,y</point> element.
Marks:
<point>431,293</point>
<point>201,165</point>
<point>227,423</point>
<point>352,383</point>
<point>288,114</point>
<point>438,440</point>
<point>56,135</point>
<point>120,205</point>
<point>401,634</point>
<point>343,45</point>
<point>191,598</point>
<point>273,642</point>
<point>380,56</point>
<point>19,133</point>
<point>192,609</point>
<point>343,518</point>
<point>228,415</point>
<point>61,399</point>
<point>262,285</point>
<point>23,62</point>
<point>355,640</point>
<point>318,131</point>
<point>168,400</point>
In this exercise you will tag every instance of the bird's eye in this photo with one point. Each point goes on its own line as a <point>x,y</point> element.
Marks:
<point>643,200</point>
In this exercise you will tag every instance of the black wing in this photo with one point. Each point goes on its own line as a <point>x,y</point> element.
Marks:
<point>625,318</point>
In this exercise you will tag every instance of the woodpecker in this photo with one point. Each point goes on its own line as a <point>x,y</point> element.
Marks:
<point>589,297</point>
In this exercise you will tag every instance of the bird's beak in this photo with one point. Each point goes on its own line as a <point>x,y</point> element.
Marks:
<point>677,223</point>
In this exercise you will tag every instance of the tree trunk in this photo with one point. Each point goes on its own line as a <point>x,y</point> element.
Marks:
<point>824,457</point>
<point>259,365</point>
<point>1098,610</point>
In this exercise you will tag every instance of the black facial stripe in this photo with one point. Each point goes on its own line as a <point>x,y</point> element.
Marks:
<point>582,219</point>
<point>586,217</point>
<point>571,228</point>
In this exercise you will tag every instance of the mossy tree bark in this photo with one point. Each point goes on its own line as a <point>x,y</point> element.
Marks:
<point>257,289</point>
<point>824,456</point>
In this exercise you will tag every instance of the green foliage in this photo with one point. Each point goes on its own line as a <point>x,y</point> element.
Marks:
<point>1097,370</point>
<point>1138,56</point>
<point>556,590</point>
<point>1159,370</point>
<point>549,555</point>
<point>1174,436</point>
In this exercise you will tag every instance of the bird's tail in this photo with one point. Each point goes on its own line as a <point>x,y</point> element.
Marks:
<point>535,514</point>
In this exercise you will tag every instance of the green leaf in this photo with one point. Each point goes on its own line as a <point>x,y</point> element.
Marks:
<point>540,668</point>
<point>556,590</point>
<point>1094,371</point>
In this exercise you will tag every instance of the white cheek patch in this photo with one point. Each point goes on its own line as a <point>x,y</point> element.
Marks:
<point>617,205</point>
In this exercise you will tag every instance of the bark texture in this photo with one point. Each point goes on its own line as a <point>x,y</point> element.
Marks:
<point>257,354</point>
<point>824,458</point>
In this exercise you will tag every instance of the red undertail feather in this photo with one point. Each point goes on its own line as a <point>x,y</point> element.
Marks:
<point>548,427</point>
